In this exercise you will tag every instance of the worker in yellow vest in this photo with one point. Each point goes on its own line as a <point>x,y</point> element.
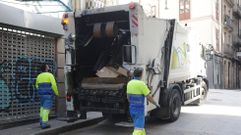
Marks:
<point>137,90</point>
<point>47,88</point>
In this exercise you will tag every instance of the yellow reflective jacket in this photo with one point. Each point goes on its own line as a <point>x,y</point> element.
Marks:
<point>47,77</point>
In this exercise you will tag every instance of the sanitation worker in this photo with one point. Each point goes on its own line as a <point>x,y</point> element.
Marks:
<point>47,88</point>
<point>137,90</point>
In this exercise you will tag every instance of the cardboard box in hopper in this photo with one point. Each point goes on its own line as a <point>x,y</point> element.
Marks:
<point>110,72</point>
<point>122,71</point>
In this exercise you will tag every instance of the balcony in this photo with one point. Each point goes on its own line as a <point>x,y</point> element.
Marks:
<point>237,11</point>
<point>228,50</point>
<point>231,2</point>
<point>236,41</point>
<point>238,54</point>
<point>228,23</point>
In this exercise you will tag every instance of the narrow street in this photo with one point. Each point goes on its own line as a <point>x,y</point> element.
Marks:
<point>220,115</point>
<point>65,64</point>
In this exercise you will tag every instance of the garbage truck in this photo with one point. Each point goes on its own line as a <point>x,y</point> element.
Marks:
<point>104,46</point>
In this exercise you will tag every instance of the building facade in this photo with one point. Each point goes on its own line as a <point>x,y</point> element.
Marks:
<point>217,23</point>
<point>94,4</point>
<point>90,4</point>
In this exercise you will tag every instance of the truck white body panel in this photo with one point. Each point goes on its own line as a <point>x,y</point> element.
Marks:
<point>186,61</point>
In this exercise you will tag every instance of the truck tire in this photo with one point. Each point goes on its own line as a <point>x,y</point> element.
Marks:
<point>174,105</point>
<point>204,89</point>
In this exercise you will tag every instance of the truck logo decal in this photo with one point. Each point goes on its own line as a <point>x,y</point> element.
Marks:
<point>134,20</point>
<point>180,56</point>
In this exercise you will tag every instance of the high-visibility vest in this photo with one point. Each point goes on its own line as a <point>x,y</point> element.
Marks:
<point>46,84</point>
<point>45,89</point>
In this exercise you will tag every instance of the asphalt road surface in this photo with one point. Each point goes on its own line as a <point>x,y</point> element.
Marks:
<point>220,115</point>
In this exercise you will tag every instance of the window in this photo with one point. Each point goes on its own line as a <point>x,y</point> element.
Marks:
<point>181,7</point>
<point>153,11</point>
<point>187,7</point>
<point>184,9</point>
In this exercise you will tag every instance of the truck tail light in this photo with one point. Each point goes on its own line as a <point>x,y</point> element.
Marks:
<point>65,19</point>
<point>132,5</point>
<point>68,98</point>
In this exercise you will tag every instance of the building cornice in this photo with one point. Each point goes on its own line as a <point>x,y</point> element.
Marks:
<point>230,2</point>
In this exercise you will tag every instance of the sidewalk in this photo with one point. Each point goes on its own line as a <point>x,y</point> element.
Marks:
<point>57,126</point>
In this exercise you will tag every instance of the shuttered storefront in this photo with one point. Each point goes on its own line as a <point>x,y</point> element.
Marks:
<point>21,54</point>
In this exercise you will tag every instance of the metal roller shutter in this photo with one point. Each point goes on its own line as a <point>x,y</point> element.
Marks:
<point>21,54</point>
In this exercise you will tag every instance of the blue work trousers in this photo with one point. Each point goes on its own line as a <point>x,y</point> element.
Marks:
<point>138,116</point>
<point>46,101</point>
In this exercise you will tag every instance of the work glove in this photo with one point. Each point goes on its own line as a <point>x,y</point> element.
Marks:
<point>157,105</point>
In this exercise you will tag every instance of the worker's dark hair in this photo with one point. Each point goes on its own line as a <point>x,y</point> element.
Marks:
<point>43,67</point>
<point>138,72</point>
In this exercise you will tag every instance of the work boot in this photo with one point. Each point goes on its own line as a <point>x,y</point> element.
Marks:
<point>45,125</point>
<point>139,132</point>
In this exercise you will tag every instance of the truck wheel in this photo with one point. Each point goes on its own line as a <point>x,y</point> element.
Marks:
<point>204,93</point>
<point>174,105</point>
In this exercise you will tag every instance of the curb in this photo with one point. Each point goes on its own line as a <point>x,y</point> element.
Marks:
<point>21,122</point>
<point>69,127</point>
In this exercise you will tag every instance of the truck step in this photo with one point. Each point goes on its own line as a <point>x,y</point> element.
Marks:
<point>124,124</point>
